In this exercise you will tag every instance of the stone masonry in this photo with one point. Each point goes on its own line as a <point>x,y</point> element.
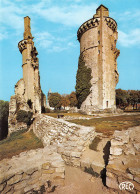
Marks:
<point>28,171</point>
<point>64,143</point>
<point>98,37</point>
<point>70,139</point>
<point>124,159</point>
<point>28,94</point>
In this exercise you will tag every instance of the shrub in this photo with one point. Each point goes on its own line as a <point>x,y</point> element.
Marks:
<point>24,116</point>
<point>83,84</point>
<point>4,112</point>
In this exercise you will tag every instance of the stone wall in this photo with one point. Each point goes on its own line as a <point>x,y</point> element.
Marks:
<point>16,103</point>
<point>28,171</point>
<point>69,139</point>
<point>124,160</point>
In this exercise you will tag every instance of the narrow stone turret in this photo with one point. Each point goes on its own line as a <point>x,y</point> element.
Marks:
<point>28,94</point>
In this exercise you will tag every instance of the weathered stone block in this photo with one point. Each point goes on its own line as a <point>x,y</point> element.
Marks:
<point>25,176</point>
<point>46,166</point>
<point>14,179</point>
<point>112,183</point>
<point>7,189</point>
<point>76,154</point>
<point>115,151</point>
<point>60,169</point>
<point>31,171</point>
<point>116,143</point>
<point>137,179</point>
<point>2,186</point>
<point>134,171</point>
<point>51,171</point>
<point>20,185</point>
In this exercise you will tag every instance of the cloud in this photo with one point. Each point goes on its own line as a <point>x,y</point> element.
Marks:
<point>10,16</point>
<point>129,39</point>
<point>70,13</point>
<point>44,39</point>
<point>3,35</point>
<point>73,15</point>
<point>130,15</point>
<point>52,43</point>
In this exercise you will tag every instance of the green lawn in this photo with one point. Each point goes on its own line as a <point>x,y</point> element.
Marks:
<point>107,125</point>
<point>19,142</point>
<point>67,114</point>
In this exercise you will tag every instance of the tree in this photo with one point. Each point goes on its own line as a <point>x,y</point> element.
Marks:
<point>134,97</point>
<point>55,100</point>
<point>122,98</point>
<point>83,83</point>
<point>73,99</point>
<point>4,112</point>
<point>65,101</point>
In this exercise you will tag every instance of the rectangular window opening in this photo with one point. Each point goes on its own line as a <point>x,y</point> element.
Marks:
<point>106,104</point>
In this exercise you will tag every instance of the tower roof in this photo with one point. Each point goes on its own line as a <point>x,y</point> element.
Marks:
<point>102,9</point>
<point>102,6</point>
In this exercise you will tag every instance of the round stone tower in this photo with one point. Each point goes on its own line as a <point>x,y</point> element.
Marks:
<point>98,37</point>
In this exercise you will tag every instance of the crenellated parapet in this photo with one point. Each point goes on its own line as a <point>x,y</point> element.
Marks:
<point>111,23</point>
<point>22,45</point>
<point>92,23</point>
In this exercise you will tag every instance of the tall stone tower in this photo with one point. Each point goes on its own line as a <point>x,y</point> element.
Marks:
<point>30,67</point>
<point>98,37</point>
<point>28,94</point>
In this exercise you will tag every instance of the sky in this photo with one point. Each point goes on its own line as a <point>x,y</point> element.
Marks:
<point>54,26</point>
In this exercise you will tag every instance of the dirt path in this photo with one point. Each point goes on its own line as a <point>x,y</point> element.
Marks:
<point>79,182</point>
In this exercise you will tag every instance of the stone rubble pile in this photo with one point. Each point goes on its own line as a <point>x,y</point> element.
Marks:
<point>30,170</point>
<point>69,139</point>
<point>124,160</point>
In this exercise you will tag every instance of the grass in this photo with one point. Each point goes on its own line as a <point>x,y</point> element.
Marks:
<point>19,142</point>
<point>66,114</point>
<point>108,125</point>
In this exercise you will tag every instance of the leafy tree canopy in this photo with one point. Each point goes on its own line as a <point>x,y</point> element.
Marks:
<point>65,101</point>
<point>73,99</point>
<point>125,98</point>
<point>55,100</point>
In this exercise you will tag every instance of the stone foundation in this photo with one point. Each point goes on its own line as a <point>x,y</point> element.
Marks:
<point>30,170</point>
<point>124,160</point>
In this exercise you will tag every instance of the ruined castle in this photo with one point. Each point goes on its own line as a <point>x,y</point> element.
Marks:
<point>98,37</point>
<point>28,94</point>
